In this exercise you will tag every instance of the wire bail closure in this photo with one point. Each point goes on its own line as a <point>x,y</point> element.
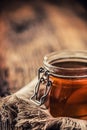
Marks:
<point>43,78</point>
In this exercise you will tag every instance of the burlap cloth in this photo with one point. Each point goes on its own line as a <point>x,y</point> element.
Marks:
<point>17,112</point>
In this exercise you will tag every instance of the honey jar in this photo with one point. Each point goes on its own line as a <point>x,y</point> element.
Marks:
<point>62,84</point>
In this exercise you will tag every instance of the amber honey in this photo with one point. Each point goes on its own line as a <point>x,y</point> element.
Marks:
<point>68,95</point>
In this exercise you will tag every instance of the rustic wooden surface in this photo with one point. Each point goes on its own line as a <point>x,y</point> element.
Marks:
<point>30,30</point>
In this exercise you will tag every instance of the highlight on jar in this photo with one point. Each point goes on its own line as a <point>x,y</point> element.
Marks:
<point>62,84</point>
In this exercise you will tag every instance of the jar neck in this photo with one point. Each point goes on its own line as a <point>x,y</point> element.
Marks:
<point>69,64</point>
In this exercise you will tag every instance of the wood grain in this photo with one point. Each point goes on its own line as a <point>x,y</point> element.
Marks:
<point>30,30</point>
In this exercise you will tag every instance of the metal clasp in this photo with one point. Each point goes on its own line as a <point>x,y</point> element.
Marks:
<point>43,78</point>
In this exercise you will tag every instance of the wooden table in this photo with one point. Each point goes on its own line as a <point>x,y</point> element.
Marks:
<point>30,30</point>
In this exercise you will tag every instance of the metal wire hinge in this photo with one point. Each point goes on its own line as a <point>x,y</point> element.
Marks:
<point>43,78</point>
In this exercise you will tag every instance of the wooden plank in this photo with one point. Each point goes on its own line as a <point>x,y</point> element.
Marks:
<point>30,30</point>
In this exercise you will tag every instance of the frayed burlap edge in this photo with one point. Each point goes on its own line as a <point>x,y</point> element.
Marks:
<point>22,113</point>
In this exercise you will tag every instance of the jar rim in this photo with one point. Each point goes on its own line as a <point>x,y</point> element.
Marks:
<point>80,56</point>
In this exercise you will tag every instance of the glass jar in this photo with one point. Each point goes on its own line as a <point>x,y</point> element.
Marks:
<point>62,84</point>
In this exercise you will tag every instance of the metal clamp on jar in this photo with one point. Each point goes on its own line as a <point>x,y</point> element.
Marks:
<point>64,81</point>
